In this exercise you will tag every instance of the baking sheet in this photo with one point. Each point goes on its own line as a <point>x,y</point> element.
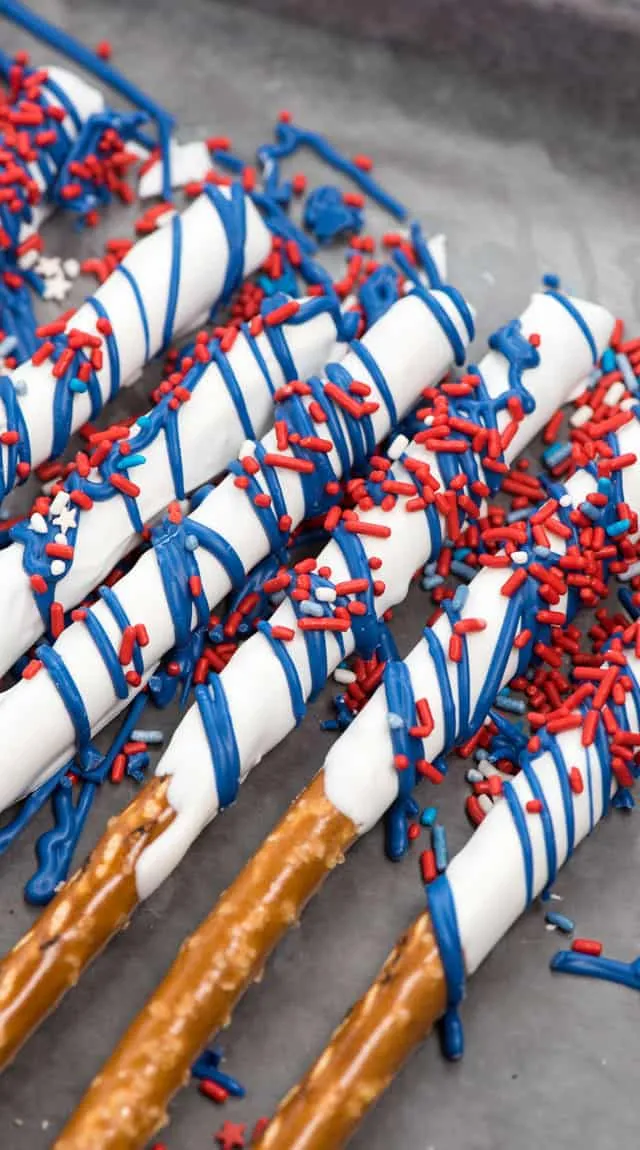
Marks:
<point>522,186</point>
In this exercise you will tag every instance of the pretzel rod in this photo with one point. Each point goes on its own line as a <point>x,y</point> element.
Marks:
<point>103,659</point>
<point>400,552</point>
<point>186,439</point>
<point>510,859</point>
<point>167,283</point>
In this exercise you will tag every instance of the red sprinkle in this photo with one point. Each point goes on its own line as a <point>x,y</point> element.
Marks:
<point>587,946</point>
<point>534,806</point>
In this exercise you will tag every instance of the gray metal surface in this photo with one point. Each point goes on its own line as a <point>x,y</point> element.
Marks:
<point>521,186</point>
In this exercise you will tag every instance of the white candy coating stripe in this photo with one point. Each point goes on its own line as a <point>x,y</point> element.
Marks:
<point>209,431</point>
<point>136,299</point>
<point>256,690</point>
<point>411,351</point>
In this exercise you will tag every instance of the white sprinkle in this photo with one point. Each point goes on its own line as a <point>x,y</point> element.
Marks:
<point>28,260</point>
<point>614,394</point>
<point>565,500</point>
<point>58,567</point>
<point>582,415</point>
<point>60,501</point>
<point>343,676</point>
<point>519,557</point>
<point>486,804</point>
<point>398,447</point>
<point>325,594</point>
<point>628,404</point>
<point>60,537</point>
<point>45,1123</point>
<point>38,523</point>
<point>18,1122</point>
<point>630,573</point>
<point>473,775</point>
<point>71,268</point>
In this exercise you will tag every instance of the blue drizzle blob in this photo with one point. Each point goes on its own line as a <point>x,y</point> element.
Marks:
<point>595,966</point>
<point>442,911</point>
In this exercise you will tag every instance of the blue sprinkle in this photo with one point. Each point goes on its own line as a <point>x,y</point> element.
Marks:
<point>463,570</point>
<point>541,552</point>
<point>516,706</point>
<point>439,845</point>
<point>428,816</point>
<point>310,607</point>
<point>329,725</point>
<point>78,385</point>
<point>590,511</point>
<point>551,280</point>
<point>608,361</point>
<point>557,453</point>
<point>460,598</point>
<point>566,925</point>
<point>430,582</point>
<point>128,461</point>
<point>618,528</point>
<point>523,513</point>
<point>191,542</point>
<point>461,552</point>
<point>628,375</point>
<point>595,375</point>
<point>143,420</point>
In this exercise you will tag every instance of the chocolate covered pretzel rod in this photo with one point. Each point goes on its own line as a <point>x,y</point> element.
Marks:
<point>208,410</point>
<point>167,284</point>
<point>104,658</point>
<point>563,789</point>
<point>393,539</point>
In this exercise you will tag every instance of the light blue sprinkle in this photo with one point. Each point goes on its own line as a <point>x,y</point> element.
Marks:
<point>618,528</point>
<point>605,486</point>
<point>191,542</point>
<point>557,453</point>
<point>460,598</point>
<point>277,598</point>
<point>595,375</point>
<point>590,511</point>
<point>439,846</point>
<point>310,607</point>
<point>463,570</point>
<point>429,568</point>
<point>461,552</point>
<point>516,706</point>
<point>152,737</point>
<point>483,756</point>
<point>143,420</point>
<point>631,383</point>
<point>127,461</point>
<point>78,385</point>
<point>563,923</point>
<point>430,582</point>
<point>518,516</point>
<point>429,816</point>
<point>395,721</point>
<point>8,344</point>
<point>20,387</point>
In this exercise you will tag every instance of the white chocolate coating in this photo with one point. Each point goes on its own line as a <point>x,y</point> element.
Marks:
<point>411,351</point>
<point>256,689</point>
<point>88,101</point>
<point>203,260</point>
<point>487,877</point>
<point>210,433</point>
